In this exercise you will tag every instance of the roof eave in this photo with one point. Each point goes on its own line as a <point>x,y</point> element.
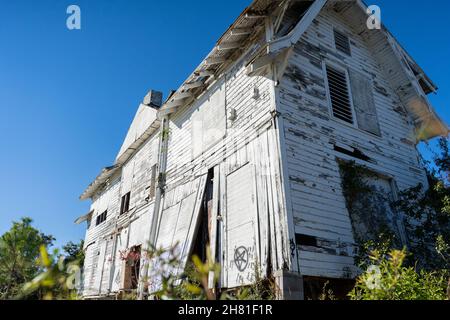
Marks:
<point>211,63</point>
<point>104,175</point>
<point>108,172</point>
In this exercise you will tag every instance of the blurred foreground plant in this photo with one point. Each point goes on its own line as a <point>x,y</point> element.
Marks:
<point>198,281</point>
<point>59,280</point>
<point>388,279</point>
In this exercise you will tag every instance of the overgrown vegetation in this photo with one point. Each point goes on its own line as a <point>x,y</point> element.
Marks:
<point>392,267</point>
<point>27,271</point>
<point>428,213</point>
<point>19,251</point>
<point>167,282</point>
<point>387,278</point>
<point>425,213</point>
<point>369,208</point>
<point>59,279</point>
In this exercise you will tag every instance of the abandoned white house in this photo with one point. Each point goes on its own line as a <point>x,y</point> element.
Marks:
<point>244,156</point>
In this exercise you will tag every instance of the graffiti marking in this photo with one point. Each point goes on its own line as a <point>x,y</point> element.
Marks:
<point>241,258</point>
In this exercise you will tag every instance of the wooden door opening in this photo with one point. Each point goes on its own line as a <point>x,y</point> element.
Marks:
<point>132,266</point>
<point>203,233</point>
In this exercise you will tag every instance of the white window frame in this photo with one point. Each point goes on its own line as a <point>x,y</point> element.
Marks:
<point>330,103</point>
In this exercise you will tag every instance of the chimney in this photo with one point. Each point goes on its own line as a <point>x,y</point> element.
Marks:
<point>153,99</point>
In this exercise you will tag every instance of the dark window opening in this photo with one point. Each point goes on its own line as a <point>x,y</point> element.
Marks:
<point>355,153</point>
<point>327,289</point>
<point>125,204</point>
<point>101,218</point>
<point>203,235</point>
<point>339,94</point>
<point>305,240</point>
<point>342,42</point>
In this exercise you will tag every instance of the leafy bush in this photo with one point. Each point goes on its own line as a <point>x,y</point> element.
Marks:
<point>194,282</point>
<point>388,279</point>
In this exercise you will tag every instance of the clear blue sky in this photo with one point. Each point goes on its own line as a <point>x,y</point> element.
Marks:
<point>67,97</point>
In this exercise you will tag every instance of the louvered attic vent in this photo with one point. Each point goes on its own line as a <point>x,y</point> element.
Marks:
<point>342,42</point>
<point>339,94</point>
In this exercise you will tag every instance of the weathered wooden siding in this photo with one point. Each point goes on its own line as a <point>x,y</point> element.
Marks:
<point>103,271</point>
<point>94,240</point>
<point>310,135</point>
<point>242,225</point>
<point>245,158</point>
<point>248,142</point>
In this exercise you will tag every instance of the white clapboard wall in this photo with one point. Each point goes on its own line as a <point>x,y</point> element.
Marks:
<point>253,163</point>
<point>310,135</point>
<point>135,177</point>
<point>247,155</point>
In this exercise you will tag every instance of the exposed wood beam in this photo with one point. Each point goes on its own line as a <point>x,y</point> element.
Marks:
<point>209,80</point>
<point>182,95</point>
<point>229,46</point>
<point>255,15</point>
<point>204,73</point>
<point>294,36</point>
<point>280,17</point>
<point>260,63</point>
<point>173,104</point>
<point>213,61</point>
<point>193,85</point>
<point>165,112</point>
<point>282,62</point>
<point>241,31</point>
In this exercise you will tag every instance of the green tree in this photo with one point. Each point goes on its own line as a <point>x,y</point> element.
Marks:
<point>19,252</point>
<point>431,208</point>
<point>74,252</point>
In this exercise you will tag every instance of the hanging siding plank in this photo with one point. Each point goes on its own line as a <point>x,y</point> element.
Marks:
<point>193,222</point>
<point>99,268</point>
<point>241,225</point>
<point>214,223</point>
<point>260,159</point>
<point>166,230</point>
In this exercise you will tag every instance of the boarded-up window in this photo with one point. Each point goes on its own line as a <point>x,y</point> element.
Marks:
<point>339,94</point>
<point>384,191</point>
<point>363,102</point>
<point>370,208</point>
<point>209,120</point>
<point>342,42</point>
